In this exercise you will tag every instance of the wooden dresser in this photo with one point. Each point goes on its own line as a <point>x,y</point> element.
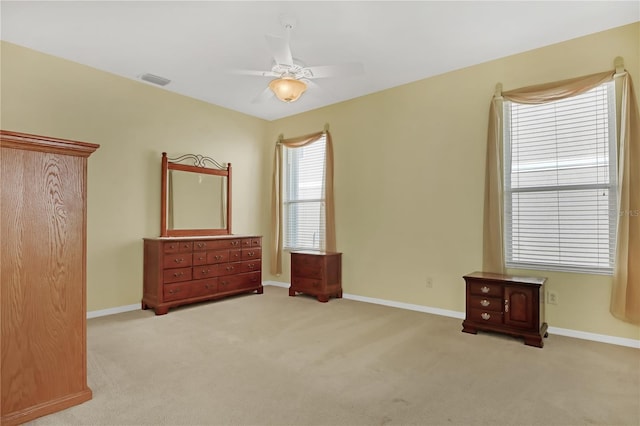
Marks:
<point>43,274</point>
<point>316,273</point>
<point>183,270</point>
<point>506,304</point>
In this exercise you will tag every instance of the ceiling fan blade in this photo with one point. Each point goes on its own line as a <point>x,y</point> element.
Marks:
<point>280,49</point>
<point>262,97</point>
<point>352,68</point>
<point>255,73</point>
<point>311,84</point>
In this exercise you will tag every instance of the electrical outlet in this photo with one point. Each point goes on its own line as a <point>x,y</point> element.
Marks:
<point>552,298</point>
<point>429,282</point>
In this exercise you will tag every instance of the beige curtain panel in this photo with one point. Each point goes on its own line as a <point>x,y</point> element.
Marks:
<point>276,196</point>
<point>625,296</point>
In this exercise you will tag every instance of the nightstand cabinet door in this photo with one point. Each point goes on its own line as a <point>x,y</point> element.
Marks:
<point>518,307</point>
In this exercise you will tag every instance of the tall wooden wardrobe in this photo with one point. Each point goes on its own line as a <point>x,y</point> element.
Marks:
<point>42,275</point>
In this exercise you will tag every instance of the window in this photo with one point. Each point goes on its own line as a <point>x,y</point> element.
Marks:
<point>560,183</point>
<point>303,196</point>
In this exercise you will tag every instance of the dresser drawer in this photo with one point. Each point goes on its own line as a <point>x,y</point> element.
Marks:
<point>480,315</point>
<point>249,266</point>
<point>203,245</point>
<point>218,256</point>
<point>251,242</point>
<point>200,258</point>
<point>485,289</point>
<point>487,303</point>
<point>205,271</point>
<point>235,255</point>
<point>177,291</point>
<point>251,253</point>
<point>176,260</point>
<point>204,287</point>
<point>229,268</point>
<point>177,246</point>
<point>238,282</point>
<point>176,275</point>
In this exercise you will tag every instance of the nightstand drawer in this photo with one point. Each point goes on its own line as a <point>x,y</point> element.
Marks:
<point>485,289</point>
<point>306,284</point>
<point>487,303</point>
<point>480,315</point>
<point>307,271</point>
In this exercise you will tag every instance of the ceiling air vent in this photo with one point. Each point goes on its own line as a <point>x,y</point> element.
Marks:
<point>155,79</point>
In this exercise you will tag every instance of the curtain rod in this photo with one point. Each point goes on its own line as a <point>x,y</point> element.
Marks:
<point>618,64</point>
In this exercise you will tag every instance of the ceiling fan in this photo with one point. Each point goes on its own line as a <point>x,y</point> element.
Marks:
<point>292,77</point>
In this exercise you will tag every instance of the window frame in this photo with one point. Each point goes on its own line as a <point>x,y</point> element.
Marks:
<point>611,185</point>
<point>291,183</point>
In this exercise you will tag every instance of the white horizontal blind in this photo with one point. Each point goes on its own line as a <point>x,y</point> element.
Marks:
<point>560,183</point>
<point>303,205</point>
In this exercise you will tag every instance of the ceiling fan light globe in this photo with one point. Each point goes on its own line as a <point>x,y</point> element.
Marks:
<point>287,89</point>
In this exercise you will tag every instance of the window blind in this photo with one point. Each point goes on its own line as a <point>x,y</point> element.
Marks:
<point>304,204</point>
<point>560,183</point>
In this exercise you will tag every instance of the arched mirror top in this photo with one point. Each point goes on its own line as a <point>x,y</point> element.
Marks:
<point>196,196</point>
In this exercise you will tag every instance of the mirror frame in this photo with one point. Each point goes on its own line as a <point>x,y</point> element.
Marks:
<point>199,166</point>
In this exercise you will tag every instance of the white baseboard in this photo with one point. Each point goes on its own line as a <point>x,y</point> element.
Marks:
<point>603,338</point>
<point>408,306</point>
<point>276,284</point>
<point>111,311</point>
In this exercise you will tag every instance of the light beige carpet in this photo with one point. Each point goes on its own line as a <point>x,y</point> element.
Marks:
<point>272,359</point>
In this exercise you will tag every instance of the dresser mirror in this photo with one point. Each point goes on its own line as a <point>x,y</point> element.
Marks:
<point>196,196</point>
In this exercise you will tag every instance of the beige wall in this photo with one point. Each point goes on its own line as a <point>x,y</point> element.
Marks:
<point>409,170</point>
<point>134,123</point>
<point>409,178</point>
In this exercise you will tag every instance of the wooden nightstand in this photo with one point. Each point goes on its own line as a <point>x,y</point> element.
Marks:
<point>506,304</point>
<point>316,273</point>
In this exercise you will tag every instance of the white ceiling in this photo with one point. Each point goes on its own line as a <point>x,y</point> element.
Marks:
<point>198,44</point>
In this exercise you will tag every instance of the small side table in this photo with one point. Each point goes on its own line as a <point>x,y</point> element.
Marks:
<point>316,273</point>
<point>507,304</point>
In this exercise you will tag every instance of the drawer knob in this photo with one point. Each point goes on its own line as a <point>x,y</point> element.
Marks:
<point>485,302</point>
<point>506,305</point>
<point>174,291</point>
<point>229,268</point>
<point>178,274</point>
<point>224,282</point>
<point>485,289</point>
<point>200,245</point>
<point>179,260</point>
<point>218,257</point>
<point>485,316</point>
